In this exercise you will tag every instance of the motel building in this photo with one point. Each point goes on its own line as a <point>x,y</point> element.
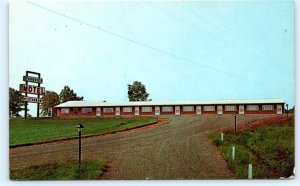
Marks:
<point>72,109</point>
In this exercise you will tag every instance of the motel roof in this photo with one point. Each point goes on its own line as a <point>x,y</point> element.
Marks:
<point>163,103</point>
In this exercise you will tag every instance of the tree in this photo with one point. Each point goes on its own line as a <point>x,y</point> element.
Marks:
<point>137,92</point>
<point>15,102</point>
<point>68,94</point>
<point>50,99</point>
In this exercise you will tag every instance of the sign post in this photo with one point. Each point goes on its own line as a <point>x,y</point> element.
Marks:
<point>30,89</point>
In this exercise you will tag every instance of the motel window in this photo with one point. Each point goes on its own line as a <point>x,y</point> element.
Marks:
<point>230,108</point>
<point>188,108</point>
<point>268,107</point>
<point>86,110</point>
<point>209,108</point>
<point>64,111</point>
<point>167,109</point>
<point>252,107</point>
<point>108,110</point>
<point>127,109</point>
<point>146,109</point>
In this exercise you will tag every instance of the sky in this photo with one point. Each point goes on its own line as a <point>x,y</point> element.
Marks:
<point>199,50</point>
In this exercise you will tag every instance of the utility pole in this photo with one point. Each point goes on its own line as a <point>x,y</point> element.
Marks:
<point>235,123</point>
<point>287,111</point>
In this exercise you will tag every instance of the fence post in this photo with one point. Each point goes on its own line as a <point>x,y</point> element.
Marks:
<point>222,137</point>
<point>233,152</point>
<point>250,171</point>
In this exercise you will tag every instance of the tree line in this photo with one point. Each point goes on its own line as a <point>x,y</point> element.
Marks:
<point>50,100</point>
<point>136,92</point>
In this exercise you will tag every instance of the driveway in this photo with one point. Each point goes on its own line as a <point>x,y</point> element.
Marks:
<point>177,150</point>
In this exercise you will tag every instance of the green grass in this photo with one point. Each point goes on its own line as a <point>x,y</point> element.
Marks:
<point>269,148</point>
<point>89,170</point>
<point>40,130</point>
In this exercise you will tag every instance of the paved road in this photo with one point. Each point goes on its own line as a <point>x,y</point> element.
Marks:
<point>178,150</point>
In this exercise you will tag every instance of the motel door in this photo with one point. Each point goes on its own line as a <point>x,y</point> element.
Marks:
<point>75,111</point>
<point>98,111</point>
<point>157,111</point>
<point>136,111</point>
<point>220,109</point>
<point>279,109</point>
<point>177,110</point>
<point>117,111</point>
<point>241,109</point>
<point>198,109</point>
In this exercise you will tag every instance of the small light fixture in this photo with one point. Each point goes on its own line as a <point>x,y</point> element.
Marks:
<point>79,127</point>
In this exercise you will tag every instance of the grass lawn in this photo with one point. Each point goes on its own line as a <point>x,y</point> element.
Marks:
<point>40,130</point>
<point>89,170</point>
<point>268,147</point>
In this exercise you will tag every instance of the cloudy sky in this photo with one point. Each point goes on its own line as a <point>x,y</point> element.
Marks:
<point>180,50</point>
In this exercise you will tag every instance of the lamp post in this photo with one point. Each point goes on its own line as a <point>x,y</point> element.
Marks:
<point>287,111</point>
<point>234,123</point>
<point>79,128</point>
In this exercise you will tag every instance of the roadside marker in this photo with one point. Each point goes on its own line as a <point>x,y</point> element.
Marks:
<point>250,171</point>
<point>222,137</point>
<point>233,152</point>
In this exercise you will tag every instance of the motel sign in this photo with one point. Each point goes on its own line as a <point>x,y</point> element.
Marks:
<point>33,79</point>
<point>31,89</point>
<point>33,100</point>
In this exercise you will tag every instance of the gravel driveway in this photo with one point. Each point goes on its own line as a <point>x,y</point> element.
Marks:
<point>177,150</point>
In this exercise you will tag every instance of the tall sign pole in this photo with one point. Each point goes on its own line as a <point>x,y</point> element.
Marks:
<point>30,89</point>
<point>26,103</point>
<point>38,105</point>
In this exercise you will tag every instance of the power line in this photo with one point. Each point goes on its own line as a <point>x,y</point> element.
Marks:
<point>147,46</point>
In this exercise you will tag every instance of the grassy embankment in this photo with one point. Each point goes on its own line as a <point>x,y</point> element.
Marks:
<point>41,130</point>
<point>89,170</point>
<point>268,147</point>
